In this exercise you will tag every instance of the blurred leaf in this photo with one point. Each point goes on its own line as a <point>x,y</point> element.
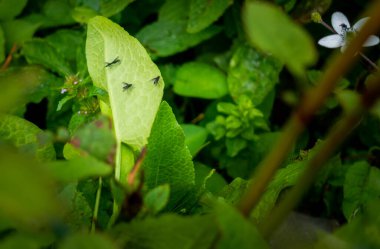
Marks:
<point>39,51</point>
<point>79,168</point>
<point>33,83</point>
<point>111,7</point>
<point>26,136</point>
<point>252,74</point>
<point>66,42</point>
<point>87,241</point>
<point>27,192</point>
<point>2,45</point>
<point>284,178</point>
<point>234,191</point>
<point>96,138</point>
<point>361,186</point>
<point>83,14</point>
<point>56,13</point>
<point>369,131</point>
<point>11,8</point>
<point>168,160</point>
<point>170,231</point>
<point>25,241</point>
<point>270,30</point>
<point>195,137</point>
<point>156,199</point>
<point>165,38</point>
<point>204,13</point>
<point>16,32</point>
<point>213,181</point>
<point>79,213</point>
<point>197,79</point>
<point>174,10</point>
<point>133,109</point>
<point>235,230</point>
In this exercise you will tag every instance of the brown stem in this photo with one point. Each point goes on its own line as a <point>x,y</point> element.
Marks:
<point>9,58</point>
<point>311,102</point>
<point>332,142</point>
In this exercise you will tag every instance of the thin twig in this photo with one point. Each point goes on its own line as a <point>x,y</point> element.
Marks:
<point>337,135</point>
<point>311,102</point>
<point>9,58</point>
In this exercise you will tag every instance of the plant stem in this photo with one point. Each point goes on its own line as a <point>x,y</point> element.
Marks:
<point>311,102</point>
<point>96,208</point>
<point>332,142</point>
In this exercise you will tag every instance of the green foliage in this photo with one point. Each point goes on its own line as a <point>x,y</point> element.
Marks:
<point>272,31</point>
<point>91,157</point>
<point>240,125</point>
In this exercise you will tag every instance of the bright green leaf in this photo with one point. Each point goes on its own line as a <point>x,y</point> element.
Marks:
<point>201,80</point>
<point>203,13</point>
<point>271,30</point>
<point>134,108</point>
<point>26,137</point>
<point>11,8</point>
<point>195,137</point>
<point>79,168</point>
<point>168,160</point>
<point>253,74</point>
<point>165,38</point>
<point>167,232</point>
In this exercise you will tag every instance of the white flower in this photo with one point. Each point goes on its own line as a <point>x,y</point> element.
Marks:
<point>344,32</point>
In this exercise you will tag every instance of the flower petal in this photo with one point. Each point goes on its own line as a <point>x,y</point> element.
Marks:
<point>337,19</point>
<point>371,41</point>
<point>359,24</point>
<point>331,41</point>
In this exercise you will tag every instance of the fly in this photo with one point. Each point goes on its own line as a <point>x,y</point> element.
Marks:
<point>156,80</point>
<point>126,86</point>
<point>115,61</point>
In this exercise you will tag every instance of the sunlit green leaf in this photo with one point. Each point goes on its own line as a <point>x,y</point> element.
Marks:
<point>197,79</point>
<point>269,29</point>
<point>134,108</point>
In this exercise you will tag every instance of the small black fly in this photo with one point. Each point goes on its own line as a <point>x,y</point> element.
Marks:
<point>115,61</point>
<point>126,86</point>
<point>156,80</point>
